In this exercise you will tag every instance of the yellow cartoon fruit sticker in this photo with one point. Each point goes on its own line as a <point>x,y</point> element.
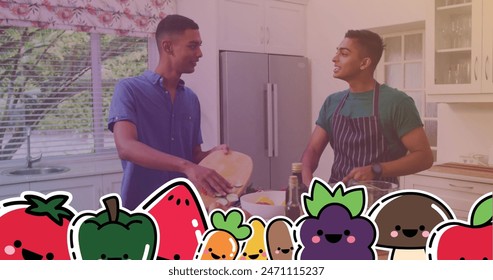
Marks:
<point>255,248</point>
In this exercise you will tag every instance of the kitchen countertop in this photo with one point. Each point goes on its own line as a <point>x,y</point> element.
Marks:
<point>77,169</point>
<point>459,171</point>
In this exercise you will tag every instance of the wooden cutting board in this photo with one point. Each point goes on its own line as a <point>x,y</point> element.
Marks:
<point>234,166</point>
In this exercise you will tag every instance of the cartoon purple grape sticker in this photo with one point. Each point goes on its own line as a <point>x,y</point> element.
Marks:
<point>333,227</point>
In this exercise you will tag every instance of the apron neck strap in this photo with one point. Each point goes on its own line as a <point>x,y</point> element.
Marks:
<point>376,94</point>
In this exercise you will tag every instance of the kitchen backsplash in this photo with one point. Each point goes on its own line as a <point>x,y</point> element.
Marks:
<point>465,132</point>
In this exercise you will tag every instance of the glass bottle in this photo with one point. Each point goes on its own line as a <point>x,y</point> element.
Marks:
<point>293,206</point>
<point>296,168</point>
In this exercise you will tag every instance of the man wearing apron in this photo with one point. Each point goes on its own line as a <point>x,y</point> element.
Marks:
<point>375,131</point>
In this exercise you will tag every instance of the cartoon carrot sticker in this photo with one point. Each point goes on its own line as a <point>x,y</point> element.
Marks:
<point>222,241</point>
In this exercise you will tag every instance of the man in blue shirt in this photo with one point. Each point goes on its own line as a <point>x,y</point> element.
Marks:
<point>155,119</point>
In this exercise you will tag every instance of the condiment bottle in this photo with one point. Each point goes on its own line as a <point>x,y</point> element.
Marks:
<point>296,168</point>
<point>293,206</point>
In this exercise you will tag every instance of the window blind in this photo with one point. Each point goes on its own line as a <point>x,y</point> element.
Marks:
<point>59,83</point>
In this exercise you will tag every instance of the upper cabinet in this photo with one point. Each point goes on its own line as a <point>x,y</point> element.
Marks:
<point>460,50</point>
<point>263,26</point>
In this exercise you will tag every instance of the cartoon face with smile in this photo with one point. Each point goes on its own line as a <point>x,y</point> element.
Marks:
<point>405,220</point>
<point>35,227</point>
<point>255,248</point>
<point>280,244</point>
<point>335,235</point>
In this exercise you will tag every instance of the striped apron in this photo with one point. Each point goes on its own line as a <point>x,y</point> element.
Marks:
<point>357,142</point>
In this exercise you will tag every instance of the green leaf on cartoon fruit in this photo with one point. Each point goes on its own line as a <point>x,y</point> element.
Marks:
<point>482,211</point>
<point>231,222</point>
<point>321,195</point>
<point>116,234</point>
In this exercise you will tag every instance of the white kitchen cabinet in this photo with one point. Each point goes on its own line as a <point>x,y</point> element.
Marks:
<point>111,183</point>
<point>14,190</point>
<point>270,26</point>
<point>85,190</point>
<point>460,195</point>
<point>460,39</point>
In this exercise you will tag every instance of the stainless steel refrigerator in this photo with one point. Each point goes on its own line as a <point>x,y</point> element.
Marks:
<point>265,112</point>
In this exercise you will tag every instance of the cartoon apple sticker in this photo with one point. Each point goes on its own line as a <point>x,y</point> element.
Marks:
<point>458,240</point>
<point>114,233</point>
<point>35,226</point>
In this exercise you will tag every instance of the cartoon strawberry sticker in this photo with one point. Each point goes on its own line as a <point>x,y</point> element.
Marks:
<point>35,226</point>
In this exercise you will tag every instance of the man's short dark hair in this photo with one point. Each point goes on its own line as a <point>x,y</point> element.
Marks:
<point>370,41</point>
<point>173,25</point>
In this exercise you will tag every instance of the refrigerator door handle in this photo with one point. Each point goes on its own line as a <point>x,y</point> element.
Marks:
<point>270,132</point>
<point>275,120</point>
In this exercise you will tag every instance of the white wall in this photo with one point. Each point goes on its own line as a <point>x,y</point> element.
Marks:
<point>328,20</point>
<point>204,81</point>
<point>467,131</point>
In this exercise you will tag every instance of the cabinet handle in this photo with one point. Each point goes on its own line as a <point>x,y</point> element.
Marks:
<point>268,35</point>
<point>461,187</point>
<point>275,108</point>
<point>270,121</point>
<point>486,67</point>
<point>476,68</point>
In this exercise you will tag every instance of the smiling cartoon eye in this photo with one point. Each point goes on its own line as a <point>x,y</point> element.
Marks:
<point>103,256</point>
<point>17,244</point>
<point>347,232</point>
<point>421,227</point>
<point>279,248</point>
<point>397,227</point>
<point>320,232</point>
<point>260,251</point>
<point>210,249</point>
<point>50,256</point>
<point>125,256</point>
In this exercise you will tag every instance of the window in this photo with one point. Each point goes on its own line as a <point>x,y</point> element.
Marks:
<point>59,83</point>
<point>403,67</point>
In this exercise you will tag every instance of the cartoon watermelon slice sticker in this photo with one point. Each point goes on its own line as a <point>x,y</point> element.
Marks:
<point>181,219</point>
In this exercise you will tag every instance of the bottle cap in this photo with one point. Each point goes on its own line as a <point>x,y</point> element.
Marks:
<point>296,167</point>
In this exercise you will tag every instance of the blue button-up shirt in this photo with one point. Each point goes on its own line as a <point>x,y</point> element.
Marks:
<point>173,128</point>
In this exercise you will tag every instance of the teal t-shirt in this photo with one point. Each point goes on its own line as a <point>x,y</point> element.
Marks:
<point>397,112</point>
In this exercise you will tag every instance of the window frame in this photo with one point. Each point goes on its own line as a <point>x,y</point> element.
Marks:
<point>99,122</point>
<point>380,74</point>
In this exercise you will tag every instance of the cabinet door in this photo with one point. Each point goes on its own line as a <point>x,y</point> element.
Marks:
<point>111,184</point>
<point>292,123</point>
<point>241,25</point>
<point>84,190</point>
<point>11,191</point>
<point>285,28</point>
<point>455,50</point>
<point>488,47</point>
<point>459,195</point>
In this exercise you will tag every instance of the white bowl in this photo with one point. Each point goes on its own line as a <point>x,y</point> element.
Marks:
<point>249,204</point>
<point>378,189</point>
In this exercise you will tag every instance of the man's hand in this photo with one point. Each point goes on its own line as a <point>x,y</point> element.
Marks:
<point>208,181</point>
<point>359,174</point>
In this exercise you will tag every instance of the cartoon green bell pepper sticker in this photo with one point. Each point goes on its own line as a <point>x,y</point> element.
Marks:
<point>113,233</point>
